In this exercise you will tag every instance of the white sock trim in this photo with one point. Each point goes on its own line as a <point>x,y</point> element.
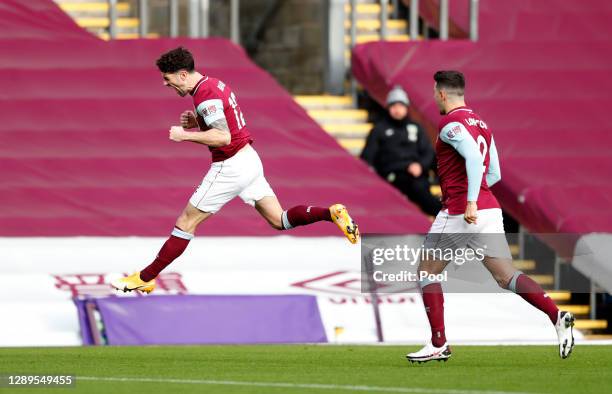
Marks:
<point>426,282</point>
<point>181,234</point>
<point>512,284</point>
<point>285,221</point>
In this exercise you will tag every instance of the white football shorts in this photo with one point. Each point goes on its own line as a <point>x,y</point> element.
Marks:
<point>453,232</point>
<point>241,175</point>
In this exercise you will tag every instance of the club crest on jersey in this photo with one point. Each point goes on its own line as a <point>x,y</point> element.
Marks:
<point>221,86</point>
<point>453,132</point>
<point>210,110</point>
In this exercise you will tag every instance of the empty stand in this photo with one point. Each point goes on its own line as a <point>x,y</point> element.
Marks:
<point>85,149</point>
<point>545,98</point>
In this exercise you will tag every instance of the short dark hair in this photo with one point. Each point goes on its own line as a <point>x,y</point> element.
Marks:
<point>176,60</point>
<point>450,80</point>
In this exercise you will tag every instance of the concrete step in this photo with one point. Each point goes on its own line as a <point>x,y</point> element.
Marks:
<point>92,7</point>
<point>361,128</point>
<point>543,280</point>
<point>371,37</point>
<point>598,337</point>
<point>324,102</point>
<point>354,146</point>
<point>329,116</point>
<point>127,36</point>
<point>104,22</point>
<point>374,24</point>
<point>367,10</point>
<point>559,295</point>
<point>524,265</point>
<point>339,118</point>
<point>587,324</point>
<point>576,309</point>
<point>348,135</point>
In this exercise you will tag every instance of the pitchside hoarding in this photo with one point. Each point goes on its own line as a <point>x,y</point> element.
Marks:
<point>41,276</point>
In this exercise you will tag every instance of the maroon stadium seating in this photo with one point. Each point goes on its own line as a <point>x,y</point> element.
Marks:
<point>541,83</point>
<point>528,20</point>
<point>85,149</point>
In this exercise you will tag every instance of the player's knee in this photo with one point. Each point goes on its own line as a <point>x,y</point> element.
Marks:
<point>503,281</point>
<point>186,223</point>
<point>276,224</point>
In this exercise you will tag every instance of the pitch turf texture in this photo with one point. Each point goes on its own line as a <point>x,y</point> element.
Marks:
<point>314,369</point>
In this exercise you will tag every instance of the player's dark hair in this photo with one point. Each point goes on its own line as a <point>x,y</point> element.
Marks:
<point>452,80</point>
<point>176,60</point>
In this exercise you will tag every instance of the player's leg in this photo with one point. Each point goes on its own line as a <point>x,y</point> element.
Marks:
<point>498,261</point>
<point>302,215</point>
<point>218,187</point>
<point>270,209</point>
<point>183,232</point>
<point>440,237</point>
<point>260,195</point>
<point>516,281</point>
<point>433,300</point>
<point>175,245</point>
<point>509,278</point>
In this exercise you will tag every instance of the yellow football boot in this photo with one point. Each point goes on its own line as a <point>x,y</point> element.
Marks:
<point>343,220</point>
<point>133,282</point>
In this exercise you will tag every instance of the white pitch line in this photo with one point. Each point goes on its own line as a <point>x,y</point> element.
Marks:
<point>422,390</point>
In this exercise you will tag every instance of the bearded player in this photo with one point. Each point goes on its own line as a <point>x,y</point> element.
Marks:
<point>468,166</point>
<point>236,169</point>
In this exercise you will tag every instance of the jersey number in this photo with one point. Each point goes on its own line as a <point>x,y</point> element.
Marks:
<point>237,112</point>
<point>483,151</point>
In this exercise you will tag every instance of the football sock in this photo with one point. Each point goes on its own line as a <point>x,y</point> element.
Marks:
<point>303,215</point>
<point>531,292</point>
<point>173,248</point>
<point>433,298</point>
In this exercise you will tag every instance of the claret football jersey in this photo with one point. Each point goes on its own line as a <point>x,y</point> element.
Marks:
<point>214,100</point>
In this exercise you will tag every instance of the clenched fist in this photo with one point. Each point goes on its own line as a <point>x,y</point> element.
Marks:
<point>177,133</point>
<point>188,120</point>
<point>471,212</point>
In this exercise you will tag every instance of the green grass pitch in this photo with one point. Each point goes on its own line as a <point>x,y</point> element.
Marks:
<point>314,369</point>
